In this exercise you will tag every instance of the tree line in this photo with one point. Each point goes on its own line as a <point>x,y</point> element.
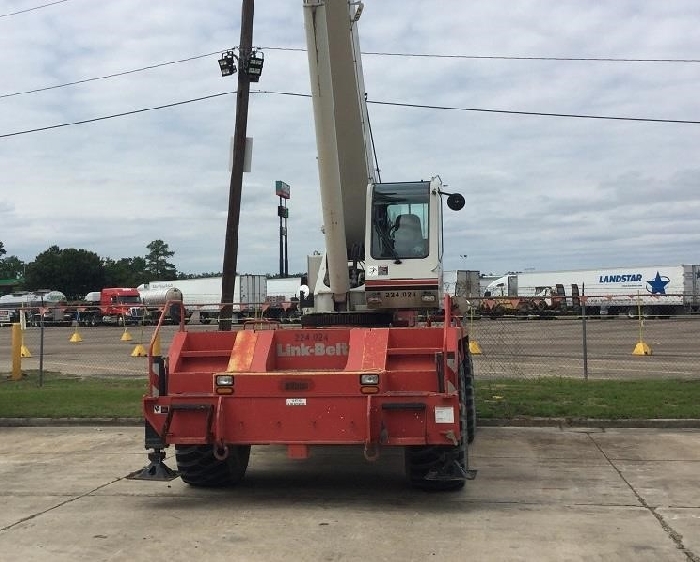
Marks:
<point>76,272</point>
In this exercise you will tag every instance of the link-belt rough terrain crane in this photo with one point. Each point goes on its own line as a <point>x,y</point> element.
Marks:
<point>361,370</point>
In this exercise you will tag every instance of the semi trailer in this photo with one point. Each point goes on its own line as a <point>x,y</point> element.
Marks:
<point>202,296</point>
<point>655,290</point>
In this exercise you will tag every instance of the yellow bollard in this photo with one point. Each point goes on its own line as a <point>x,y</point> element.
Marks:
<point>75,338</point>
<point>139,351</point>
<point>126,336</point>
<point>474,347</point>
<point>641,348</point>
<point>16,352</point>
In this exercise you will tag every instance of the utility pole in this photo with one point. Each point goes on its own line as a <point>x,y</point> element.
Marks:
<point>228,278</point>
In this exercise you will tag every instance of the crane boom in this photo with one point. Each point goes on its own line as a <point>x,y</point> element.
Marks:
<point>340,118</point>
<point>383,240</point>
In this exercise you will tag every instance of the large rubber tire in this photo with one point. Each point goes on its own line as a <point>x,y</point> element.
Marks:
<point>420,460</point>
<point>199,467</point>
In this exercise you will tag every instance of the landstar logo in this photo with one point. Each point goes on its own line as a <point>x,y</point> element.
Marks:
<point>316,350</point>
<point>657,285</point>
<point>625,278</point>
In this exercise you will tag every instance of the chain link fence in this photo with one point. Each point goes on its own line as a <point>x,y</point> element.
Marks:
<point>573,346</point>
<point>615,347</point>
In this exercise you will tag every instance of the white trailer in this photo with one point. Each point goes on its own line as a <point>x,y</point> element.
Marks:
<point>203,296</point>
<point>657,290</point>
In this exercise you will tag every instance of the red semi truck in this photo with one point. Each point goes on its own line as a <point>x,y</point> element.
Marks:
<point>113,305</point>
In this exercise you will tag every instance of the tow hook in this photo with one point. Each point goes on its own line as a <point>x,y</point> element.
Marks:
<point>156,469</point>
<point>371,451</point>
<point>221,452</point>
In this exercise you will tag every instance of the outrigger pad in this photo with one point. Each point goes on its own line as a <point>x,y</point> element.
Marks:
<point>156,470</point>
<point>451,472</point>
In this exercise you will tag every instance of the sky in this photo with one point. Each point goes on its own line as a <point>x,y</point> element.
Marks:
<point>542,192</point>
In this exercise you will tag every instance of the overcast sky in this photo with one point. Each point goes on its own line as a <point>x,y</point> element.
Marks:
<point>542,192</point>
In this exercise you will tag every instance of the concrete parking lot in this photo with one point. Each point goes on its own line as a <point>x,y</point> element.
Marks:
<point>540,494</point>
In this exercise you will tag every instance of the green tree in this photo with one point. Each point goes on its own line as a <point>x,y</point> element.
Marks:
<point>157,264</point>
<point>125,272</point>
<point>11,267</point>
<point>74,272</point>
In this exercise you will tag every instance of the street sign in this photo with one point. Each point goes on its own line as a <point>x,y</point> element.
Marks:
<point>281,189</point>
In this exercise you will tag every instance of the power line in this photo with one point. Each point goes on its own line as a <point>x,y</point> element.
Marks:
<point>376,102</point>
<point>113,116</point>
<point>539,113</point>
<point>377,53</point>
<point>107,76</point>
<point>7,15</point>
<point>502,57</point>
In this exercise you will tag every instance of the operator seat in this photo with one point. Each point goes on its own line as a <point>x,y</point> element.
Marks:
<point>408,237</point>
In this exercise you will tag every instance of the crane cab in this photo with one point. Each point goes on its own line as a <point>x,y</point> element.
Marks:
<point>403,245</point>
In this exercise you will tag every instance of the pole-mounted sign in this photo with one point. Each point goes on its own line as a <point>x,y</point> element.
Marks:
<point>281,189</point>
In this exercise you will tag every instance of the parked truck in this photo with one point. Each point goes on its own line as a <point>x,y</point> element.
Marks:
<point>202,296</point>
<point>120,306</point>
<point>155,299</point>
<point>656,290</point>
<point>361,371</point>
<point>49,305</point>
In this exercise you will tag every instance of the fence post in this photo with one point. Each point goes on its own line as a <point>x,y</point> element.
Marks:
<point>585,339</point>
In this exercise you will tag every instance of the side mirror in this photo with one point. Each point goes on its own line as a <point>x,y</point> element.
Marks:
<point>455,201</point>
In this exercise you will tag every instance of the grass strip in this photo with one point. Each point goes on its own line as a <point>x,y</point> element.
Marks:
<point>62,396</point>
<point>556,397</point>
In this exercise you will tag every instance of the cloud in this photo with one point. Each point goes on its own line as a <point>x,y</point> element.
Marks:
<point>543,192</point>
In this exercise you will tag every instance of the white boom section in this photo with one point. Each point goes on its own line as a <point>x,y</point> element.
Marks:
<point>340,119</point>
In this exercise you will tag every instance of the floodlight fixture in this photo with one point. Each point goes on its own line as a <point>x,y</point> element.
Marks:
<point>358,10</point>
<point>227,63</point>
<point>255,65</point>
